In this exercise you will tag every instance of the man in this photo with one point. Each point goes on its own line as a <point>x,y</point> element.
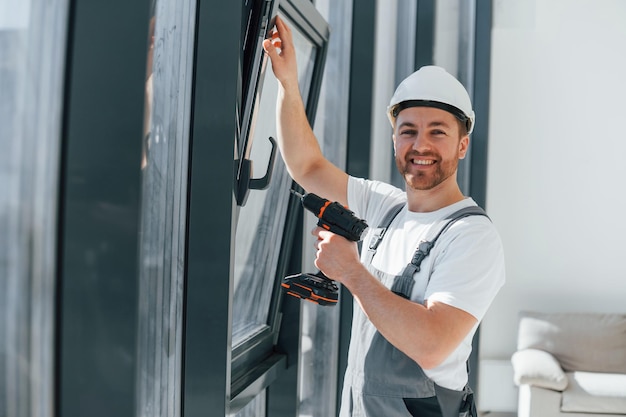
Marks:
<point>410,343</point>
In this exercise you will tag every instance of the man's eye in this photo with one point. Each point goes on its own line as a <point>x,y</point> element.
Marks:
<point>407,132</point>
<point>438,132</point>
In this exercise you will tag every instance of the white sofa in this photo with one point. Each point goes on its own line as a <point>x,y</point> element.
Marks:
<point>571,364</point>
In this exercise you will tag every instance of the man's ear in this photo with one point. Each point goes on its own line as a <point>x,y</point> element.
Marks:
<point>463,146</point>
<point>393,140</point>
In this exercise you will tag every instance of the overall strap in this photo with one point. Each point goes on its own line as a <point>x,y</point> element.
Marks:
<point>403,284</point>
<point>379,232</point>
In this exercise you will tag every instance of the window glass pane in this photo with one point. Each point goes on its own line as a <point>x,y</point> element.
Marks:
<point>454,38</point>
<point>261,220</point>
<point>453,50</point>
<point>163,211</point>
<point>32,58</point>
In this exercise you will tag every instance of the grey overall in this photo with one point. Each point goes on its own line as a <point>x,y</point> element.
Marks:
<point>382,381</point>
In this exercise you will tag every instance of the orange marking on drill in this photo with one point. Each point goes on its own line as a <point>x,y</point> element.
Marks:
<point>318,297</point>
<point>321,213</point>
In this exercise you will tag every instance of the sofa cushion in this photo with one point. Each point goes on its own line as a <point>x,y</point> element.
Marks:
<point>593,342</point>
<point>538,368</point>
<point>591,392</point>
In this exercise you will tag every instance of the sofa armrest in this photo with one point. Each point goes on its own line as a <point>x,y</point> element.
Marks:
<point>539,368</point>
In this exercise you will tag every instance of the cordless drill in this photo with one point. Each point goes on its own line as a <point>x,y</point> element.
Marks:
<point>335,218</point>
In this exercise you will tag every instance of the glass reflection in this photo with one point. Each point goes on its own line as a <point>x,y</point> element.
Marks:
<point>261,221</point>
<point>163,208</point>
<point>32,60</point>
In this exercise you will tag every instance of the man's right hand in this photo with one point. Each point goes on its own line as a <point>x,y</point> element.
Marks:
<point>280,48</point>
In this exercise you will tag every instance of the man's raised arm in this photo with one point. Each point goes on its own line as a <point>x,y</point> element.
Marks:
<point>298,146</point>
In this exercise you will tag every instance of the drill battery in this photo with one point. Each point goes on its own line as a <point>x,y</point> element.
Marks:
<point>311,287</point>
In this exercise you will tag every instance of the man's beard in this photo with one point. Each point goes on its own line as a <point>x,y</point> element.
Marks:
<point>420,180</point>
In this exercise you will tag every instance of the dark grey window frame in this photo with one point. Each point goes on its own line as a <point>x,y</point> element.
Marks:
<point>99,189</point>
<point>252,352</point>
<point>358,146</point>
<point>215,376</point>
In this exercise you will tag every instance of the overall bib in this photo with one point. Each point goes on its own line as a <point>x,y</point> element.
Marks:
<point>382,381</point>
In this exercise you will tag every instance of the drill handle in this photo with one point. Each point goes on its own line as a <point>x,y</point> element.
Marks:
<point>337,230</point>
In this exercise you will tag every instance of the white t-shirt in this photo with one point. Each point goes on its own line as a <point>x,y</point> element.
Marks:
<point>466,265</point>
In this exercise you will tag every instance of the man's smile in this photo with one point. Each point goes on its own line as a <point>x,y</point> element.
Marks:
<point>422,161</point>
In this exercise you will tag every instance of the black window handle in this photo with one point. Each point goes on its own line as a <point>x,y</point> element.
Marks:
<point>244,184</point>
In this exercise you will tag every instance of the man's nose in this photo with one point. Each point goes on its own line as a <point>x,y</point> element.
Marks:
<point>420,142</point>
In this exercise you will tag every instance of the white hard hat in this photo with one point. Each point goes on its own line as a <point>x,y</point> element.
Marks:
<point>433,86</point>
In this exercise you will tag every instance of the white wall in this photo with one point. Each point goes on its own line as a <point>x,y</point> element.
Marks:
<point>556,175</point>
